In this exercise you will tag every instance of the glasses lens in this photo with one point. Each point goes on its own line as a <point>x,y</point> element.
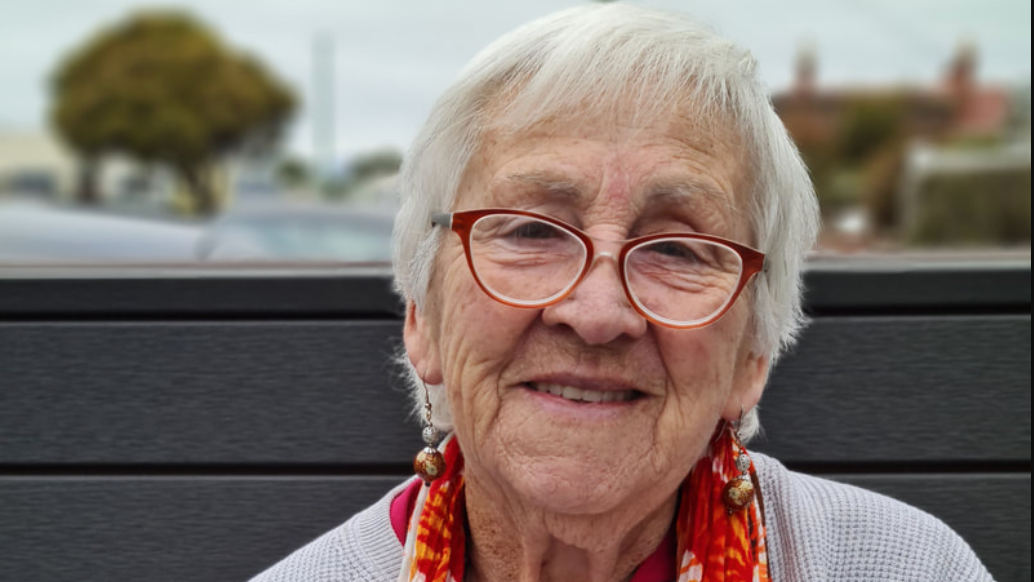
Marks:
<point>682,281</point>
<point>525,260</point>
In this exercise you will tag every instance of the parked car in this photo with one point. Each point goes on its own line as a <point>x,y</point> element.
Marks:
<point>33,232</point>
<point>294,232</point>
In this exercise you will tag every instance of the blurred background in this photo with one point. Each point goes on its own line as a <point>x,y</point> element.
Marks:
<point>229,132</point>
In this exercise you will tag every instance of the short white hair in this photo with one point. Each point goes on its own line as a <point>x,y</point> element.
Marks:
<point>594,59</point>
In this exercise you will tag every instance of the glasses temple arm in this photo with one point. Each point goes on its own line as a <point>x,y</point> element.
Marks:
<point>442,219</point>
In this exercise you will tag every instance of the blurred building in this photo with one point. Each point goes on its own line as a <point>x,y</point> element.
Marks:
<point>958,105</point>
<point>34,164</point>
<point>944,164</point>
<point>37,165</point>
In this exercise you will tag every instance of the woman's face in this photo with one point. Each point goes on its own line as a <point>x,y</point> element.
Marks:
<point>665,390</point>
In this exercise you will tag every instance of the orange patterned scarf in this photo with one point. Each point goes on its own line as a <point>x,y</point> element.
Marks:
<point>714,543</point>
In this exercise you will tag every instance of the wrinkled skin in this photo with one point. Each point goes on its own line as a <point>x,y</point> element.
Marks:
<point>586,487</point>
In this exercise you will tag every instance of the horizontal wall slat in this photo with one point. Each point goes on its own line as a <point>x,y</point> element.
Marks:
<point>872,389</point>
<point>325,393</point>
<point>952,285</point>
<point>888,283</point>
<point>215,292</point>
<point>227,529</point>
<point>167,530</point>
<point>237,392</point>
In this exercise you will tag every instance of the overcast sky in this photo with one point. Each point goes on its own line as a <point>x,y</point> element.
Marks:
<point>393,57</point>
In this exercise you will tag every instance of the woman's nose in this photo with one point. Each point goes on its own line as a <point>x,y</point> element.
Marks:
<point>598,309</point>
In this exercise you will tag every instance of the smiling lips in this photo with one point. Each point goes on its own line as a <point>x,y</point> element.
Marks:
<point>580,395</point>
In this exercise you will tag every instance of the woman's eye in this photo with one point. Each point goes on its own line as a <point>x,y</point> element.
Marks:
<point>534,230</point>
<point>674,250</point>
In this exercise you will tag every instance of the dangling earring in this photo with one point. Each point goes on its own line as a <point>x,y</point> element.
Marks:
<point>429,463</point>
<point>739,491</point>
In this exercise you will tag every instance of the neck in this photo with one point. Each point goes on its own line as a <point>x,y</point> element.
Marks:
<point>512,541</point>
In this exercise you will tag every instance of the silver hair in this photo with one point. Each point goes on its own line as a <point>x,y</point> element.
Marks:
<point>594,60</point>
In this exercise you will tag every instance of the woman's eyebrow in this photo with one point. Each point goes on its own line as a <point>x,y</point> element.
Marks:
<point>687,193</point>
<point>547,182</point>
<point>669,194</point>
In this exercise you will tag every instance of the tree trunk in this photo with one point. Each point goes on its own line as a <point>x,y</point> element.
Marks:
<point>86,189</point>
<point>198,181</point>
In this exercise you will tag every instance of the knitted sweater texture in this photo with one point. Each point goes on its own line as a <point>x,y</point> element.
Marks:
<point>818,531</point>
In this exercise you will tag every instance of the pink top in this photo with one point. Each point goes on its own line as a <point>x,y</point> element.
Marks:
<point>658,567</point>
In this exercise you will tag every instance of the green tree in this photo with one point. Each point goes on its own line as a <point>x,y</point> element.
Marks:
<point>870,125</point>
<point>293,173</point>
<point>162,88</point>
<point>362,171</point>
<point>374,164</point>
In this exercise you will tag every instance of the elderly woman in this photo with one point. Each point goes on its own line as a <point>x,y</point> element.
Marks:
<point>600,246</point>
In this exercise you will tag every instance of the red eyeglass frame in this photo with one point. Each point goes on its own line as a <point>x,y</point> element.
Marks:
<point>462,223</point>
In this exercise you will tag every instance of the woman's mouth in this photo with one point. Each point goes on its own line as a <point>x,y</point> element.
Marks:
<point>582,395</point>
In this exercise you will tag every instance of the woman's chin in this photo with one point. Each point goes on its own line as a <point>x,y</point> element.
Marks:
<point>577,485</point>
<point>575,458</point>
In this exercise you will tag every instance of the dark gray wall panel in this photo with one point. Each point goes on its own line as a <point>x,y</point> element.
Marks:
<point>168,529</point>
<point>999,282</point>
<point>903,388</point>
<point>325,392</point>
<point>901,284</point>
<point>227,529</point>
<point>913,381</point>
<point>245,291</point>
<point>208,392</point>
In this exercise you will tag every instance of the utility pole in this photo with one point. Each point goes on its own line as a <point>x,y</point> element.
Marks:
<point>324,124</point>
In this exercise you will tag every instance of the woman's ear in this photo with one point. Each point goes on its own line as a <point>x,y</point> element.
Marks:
<point>749,384</point>
<point>421,346</point>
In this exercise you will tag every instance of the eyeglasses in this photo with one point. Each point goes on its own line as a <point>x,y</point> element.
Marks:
<point>678,280</point>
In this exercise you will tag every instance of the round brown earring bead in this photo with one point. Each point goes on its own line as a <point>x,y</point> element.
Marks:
<point>738,493</point>
<point>429,464</point>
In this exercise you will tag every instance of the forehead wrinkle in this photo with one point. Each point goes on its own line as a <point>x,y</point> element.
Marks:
<point>547,181</point>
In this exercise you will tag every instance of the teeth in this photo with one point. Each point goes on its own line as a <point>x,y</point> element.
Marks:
<point>572,393</point>
<point>579,395</point>
<point>592,396</point>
